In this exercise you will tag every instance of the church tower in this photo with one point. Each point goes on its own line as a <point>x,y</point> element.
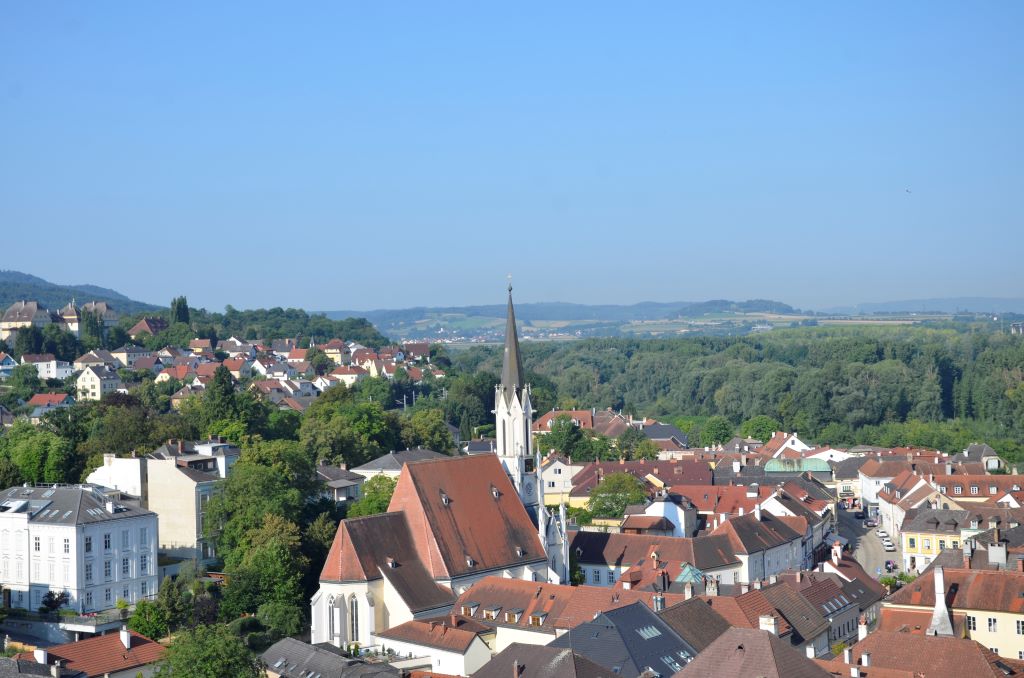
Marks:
<point>513,416</point>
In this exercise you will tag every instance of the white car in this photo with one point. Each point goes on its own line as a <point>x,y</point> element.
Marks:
<point>882,533</point>
<point>889,546</point>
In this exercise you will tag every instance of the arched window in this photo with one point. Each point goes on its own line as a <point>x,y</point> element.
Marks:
<point>330,619</point>
<point>504,440</point>
<point>353,619</point>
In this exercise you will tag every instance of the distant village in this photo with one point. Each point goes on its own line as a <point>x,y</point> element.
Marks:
<point>773,557</point>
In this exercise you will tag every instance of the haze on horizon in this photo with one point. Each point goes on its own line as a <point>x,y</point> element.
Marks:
<point>343,156</point>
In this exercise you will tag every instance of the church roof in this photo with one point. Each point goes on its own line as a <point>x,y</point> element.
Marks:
<point>512,375</point>
<point>465,516</point>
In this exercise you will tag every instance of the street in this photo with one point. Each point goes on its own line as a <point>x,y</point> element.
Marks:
<point>865,544</point>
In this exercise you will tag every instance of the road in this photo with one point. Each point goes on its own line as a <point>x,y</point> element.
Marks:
<point>867,547</point>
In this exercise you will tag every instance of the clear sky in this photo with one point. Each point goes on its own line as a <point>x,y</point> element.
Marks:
<point>382,155</point>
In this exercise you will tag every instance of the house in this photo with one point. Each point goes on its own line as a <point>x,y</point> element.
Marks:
<point>556,473</point>
<point>781,442</point>
<point>582,419</point>
<point>236,348</point>
<point>926,532</point>
<point>450,523</point>
<point>667,433</point>
<point>610,640</point>
<point>846,479</point>
<point>15,668</point>
<point>343,486</point>
<point>185,373</point>
<point>291,658</point>
<point>97,358</point>
<point>908,655</point>
<point>536,612</point>
<point>47,365</point>
<point>108,316</point>
<point>416,351</point>
<point>22,314</point>
<point>336,350</point>
<point>695,622</point>
<point>642,562</point>
<point>51,400</point>
<point>200,346</point>
<point>147,327</point>
<point>858,585</point>
<point>129,353</point>
<point>765,544</point>
<point>95,382</point>
<point>78,540</point>
<point>7,418</point>
<point>349,374</point>
<point>655,475</point>
<point>392,463</point>
<point>534,661</point>
<point>444,645</point>
<point>741,653</point>
<point>7,364</point>
<point>125,654</point>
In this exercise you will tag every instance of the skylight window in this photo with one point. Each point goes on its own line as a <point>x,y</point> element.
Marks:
<point>648,632</point>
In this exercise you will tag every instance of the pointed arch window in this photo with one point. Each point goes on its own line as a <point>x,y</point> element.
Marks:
<point>353,619</point>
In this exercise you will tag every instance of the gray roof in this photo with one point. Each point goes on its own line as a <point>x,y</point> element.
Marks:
<point>512,375</point>
<point>695,622</point>
<point>292,658</point>
<point>393,461</point>
<point>751,473</point>
<point>338,477</point>
<point>665,432</point>
<point>938,521</point>
<point>741,653</point>
<point>848,469</point>
<point>629,640</point>
<point>12,668</point>
<point>541,661</point>
<point>66,505</point>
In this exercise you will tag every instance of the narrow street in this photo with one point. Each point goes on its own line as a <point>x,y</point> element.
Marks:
<point>865,544</point>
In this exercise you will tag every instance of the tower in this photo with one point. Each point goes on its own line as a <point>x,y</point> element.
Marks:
<point>513,418</point>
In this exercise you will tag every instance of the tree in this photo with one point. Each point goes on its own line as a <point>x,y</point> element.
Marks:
<point>175,601</point>
<point>761,427</point>
<point>716,430</point>
<point>427,428</point>
<point>629,439</point>
<point>24,381</point>
<point>376,497</point>
<point>268,569</point>
<point>319,361</point>
<point>39,455</point>
<point>28,340</point>
<point>54,600</point>
<point>614,493</point>
<point>564,436</point>
<point>179,310</point>
<point>209,652</point>
<point>149,619</point>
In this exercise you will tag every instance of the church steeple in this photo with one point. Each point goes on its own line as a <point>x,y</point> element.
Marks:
<point>512,364</point>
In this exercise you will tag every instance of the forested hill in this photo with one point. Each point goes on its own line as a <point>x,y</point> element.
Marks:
<point>15,286</point>
<point>885,386</point>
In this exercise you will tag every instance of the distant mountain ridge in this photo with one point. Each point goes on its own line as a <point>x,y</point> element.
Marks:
<point>15,286</point>
<point>936,305</point>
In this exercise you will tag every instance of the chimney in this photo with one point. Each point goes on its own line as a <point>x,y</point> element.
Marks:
<point>126,637</point>
<point>854,672</point>
<point>454,621</point>
<point>40,655</point>
<point>949,469</point>
<point>848,656</point>
<point>711,586</point>
<point>773,579</point>
<point>865,659</point>
<point>515,669</point>
<point>799,576</point>
<point>941,624</point>
<point>110,506</point>
<point>1020,565</point>
<point>810,651</point>
<point>688,587</point>
<point>735,466</point>
<point>862,629</point>
<point>659,602</point>
<point>757,584</point>
<point>181,447</point>
<point>757,512</point>
<point>744,587</point>
<point>769,623</point>
<point>55,669</point>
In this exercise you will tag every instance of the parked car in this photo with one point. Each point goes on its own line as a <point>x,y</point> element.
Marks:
<point>859,515</point>
<point>882,533</point>
<point>889,546</point>
<point>870,522</point>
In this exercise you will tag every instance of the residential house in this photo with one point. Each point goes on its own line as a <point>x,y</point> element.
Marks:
<point>909,655</point>
<point>125,654</point>
<point>342,485</point>
<point>655,474</point>
<point>556,473</point>
<point>450,523</point>
<point>926,532</point>
<point>582,419</point>
<point>147,327</point>
<point>392,463</point>
<point>291,658</point>
<point>765,544</point>
<point>108,316</point>
<point>336,350</point>
<point>445,645</point>
<point>526,660</point>
<point>349,374</point>
<point>128,354</point>
<point>653,563</point>
<point>416,351</point>
<point>48,366</point>
<point>520,611</point>
<point>780,442</point>
<point>236,348</point>
<point>610,639</point>
<point>846,480</point>
<point>7,364</point>
<point>96,382</point>
<point>200,346</point>
<point>97,358</point>
<point>983,454</point>
<point>742,652</point>
<point>667,436</point>
<point>695,622</point>
<point>77,540</point>
<point>22,314</point>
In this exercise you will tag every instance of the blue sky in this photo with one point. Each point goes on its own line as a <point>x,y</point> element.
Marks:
<point>373,155</point>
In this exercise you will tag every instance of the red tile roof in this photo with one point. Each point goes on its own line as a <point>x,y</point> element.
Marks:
<point>48,399</point>
<point>99,655</point>
<point>439,634</point>
<point>582,418</point>
<point>991,590</point>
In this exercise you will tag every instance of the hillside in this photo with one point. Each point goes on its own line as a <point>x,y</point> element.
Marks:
<point>15,286</point>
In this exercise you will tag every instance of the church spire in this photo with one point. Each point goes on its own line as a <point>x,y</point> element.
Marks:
<point>512,378</point>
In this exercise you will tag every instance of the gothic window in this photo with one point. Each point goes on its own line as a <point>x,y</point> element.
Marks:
<point>353,619</point>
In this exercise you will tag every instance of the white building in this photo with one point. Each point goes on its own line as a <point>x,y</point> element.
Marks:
<point>75,539</point>
<point>94,383</point>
